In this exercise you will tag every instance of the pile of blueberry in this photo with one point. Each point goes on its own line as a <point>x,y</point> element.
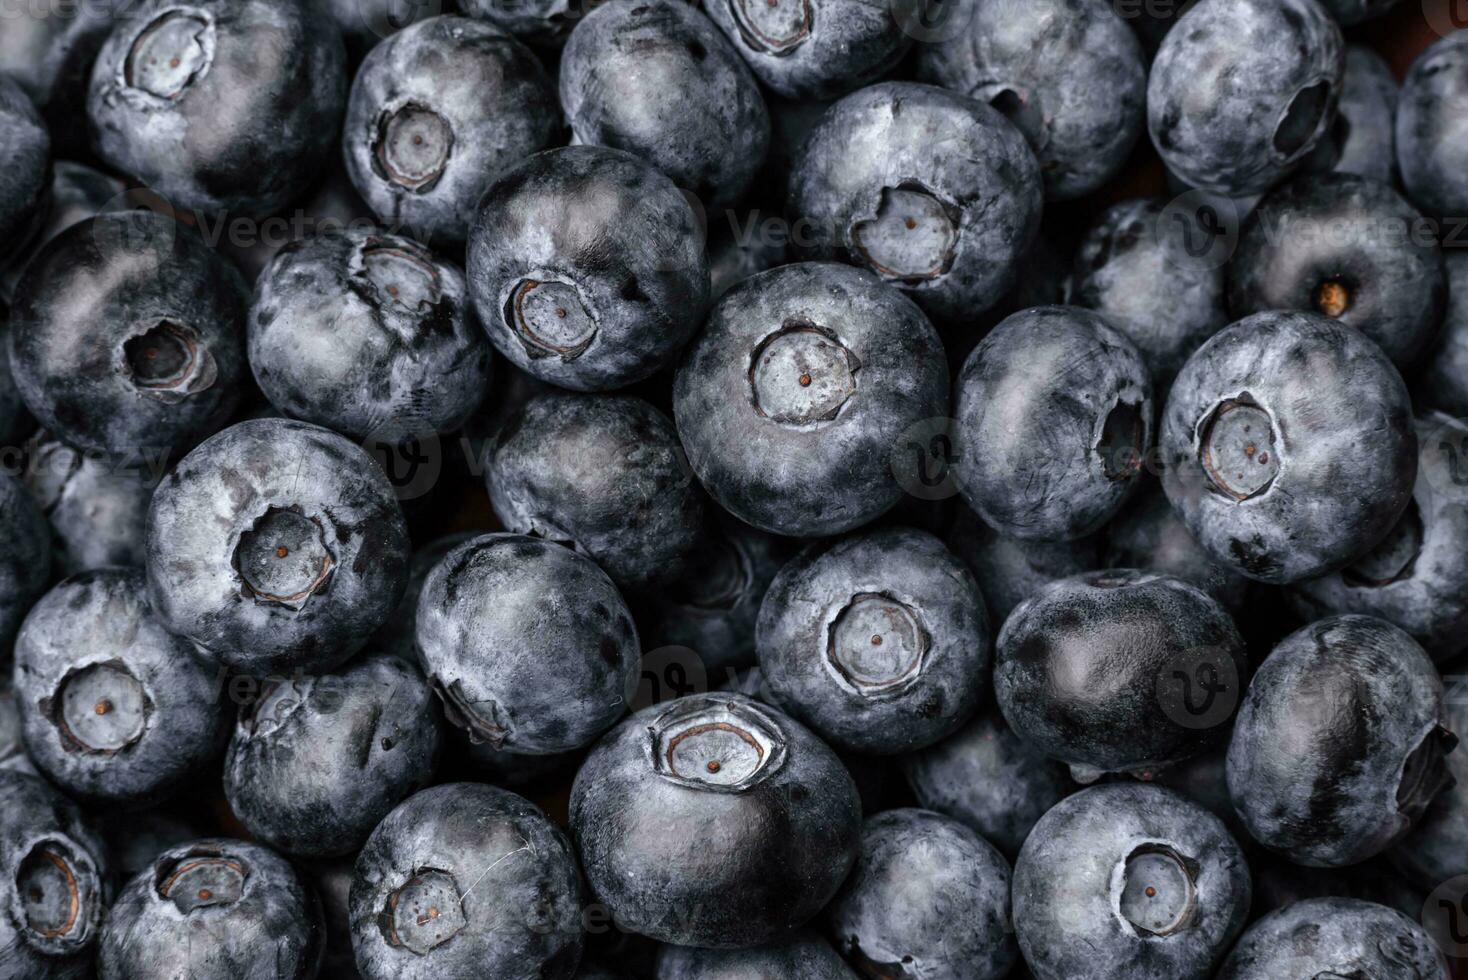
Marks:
<point>733,490</point>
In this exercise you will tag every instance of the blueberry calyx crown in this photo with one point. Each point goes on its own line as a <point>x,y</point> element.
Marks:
<point>1237,447</point>
<point>550,317</point>
<point>401,275</point>
<point>877,644</point>
<point>426,912</point>
<point>202,878</point>
<point>1122,440</point>
<point>49,889</point>
<point>1301,119</point>
<point>912,237</point>
<point>478,720</point>
<point>411,147</point>
<point>716,743</point>
<point>170,53</point>
<point>283,559</point>
<point>802,374</point>
<point>1158,895</point>
<point>99,709</point>
<point>774,27</point>
<point>166,360</point>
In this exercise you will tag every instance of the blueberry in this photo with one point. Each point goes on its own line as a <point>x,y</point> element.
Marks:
<point>12,744</point>
<point>1287,445</point>
<point>49,50</point>
<point>15,422</point>
<point>1139,267</point>
<point>423,143</point>
<point>365,23</point>
<point>395,636</point>
<point>1128,880</point>
<point>588,268</point>
<point>1436,848</point>
<point>26,175</point>
<point>543,24</point>
<point>1443,383</point>
<point>76,193</point>
<point>1430,140</point>
<point>603,474</point>
<point>793,399</point>
<point>1342,937</point>
<point>674,817</point>
<point>1360,708</point>
<point>220,105</point>
<point>1362,139</point>
<point>1009,570</point>
<point>878,641</point>
<point>276,546</point>
<point>243,897</point>
<point>656,78</point>
<point>1054,416</point>
<point>803,954</point>
<point>25,561</point>
<point>1069,73</point>
<point>1354,11</point>
<point>412,912</point>
<point>361,329</point>
<point>97,507</point>
<point>128,335</point>
<point>933,191</point>
<point>500,607</point>
<point>55,882</point>
<point>1242,90</point>
<point>1149,534</point>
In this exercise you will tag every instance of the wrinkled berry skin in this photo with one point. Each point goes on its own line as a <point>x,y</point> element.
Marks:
<point>676,825</point>
<point>1242,90</point>
<point>474,100</point>
<point>1071,879</point>
<point>1347,937</point>
<point>791,402</point>
<point>45,840</point>
<point>128,335</point>
<point>928,897</point>
<point>1009,570</point>
<point>356,330</point>
<point>316,762</point>
<point>1149,534</point>
<point>25,561</point>
<point>246,120</point>
<point>1436,848</point>
<point>494,612</point>
<point>97,508</point>
<point>218,525</point>
<point>494,862</point>
<point>804,954</point>
<point>1069,74</point>
<point>1430,108</point>
<point>657,79</point>
<point>251,900</point>
<point>1287,445</point>
<point>879,641</point>
<point>1341,742</point>
<point>899,146</point>
<point>1363,138</point>
<point>25,147</point>
<point>94,639</point>
<point>603,474</point>
<point>621,246</point>
<point>1054,415</point>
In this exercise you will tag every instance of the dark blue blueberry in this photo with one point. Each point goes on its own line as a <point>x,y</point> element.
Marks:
<point>804,955</point>
<point>396,636</point>
<point>1342,937</point>
<point>15,422</point>
<point>49,48</point>
<point>1149,534</point>
<point>544,24</point>
<point>1362,140</point>
<point>76,193</point>
<point>1435,850</point>
<point>1443,383</point>
<point>25,177</point>
<point>97,507</point>
<point>1009,570</point>
<point>12,744</point>
<point>1431,140</point>
<point>25,559</point>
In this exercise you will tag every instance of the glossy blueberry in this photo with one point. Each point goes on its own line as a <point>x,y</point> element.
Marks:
<point>276,546</point>
<point>1149,534</point>
<point>76,192</point>
<point>656,78</point>
<point>587,267</point>
<point>128,335</point>
<point>1341,742</point>
<point>1287,445</point>
<point>1436,848</point>
<point>436,113</point>
<point>97,507</point>
<point>603,474</point>
<point>466,880</point>
<point>1333,937</point>
<point>1054,415</point>
<point>1242,90</point>
<point>804,954</point>
<point>792,400</point>
<point>244,897</point>
<point>933,191</point>
<point>49,49</point>
<point>1430,137</point>
<point>360,330</point>
<point>1128,880</point>
<point>1069,73</point>
<point>25,177</point>
<point>25,560</point>
<point>1443,383</point>
<point>1009,570</point>
<point>494,613</point>
<point>673,815</point>
<point>1362,140</point>
<point>396,636</point>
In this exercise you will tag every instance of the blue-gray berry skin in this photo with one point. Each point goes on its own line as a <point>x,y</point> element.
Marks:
<point>1443,383</point>
<point>1009,570</point>
<point>316,761</point>
<point>12,744</point>
<point>603,474</point>
<point>76,192</point>
<point>656,78</point>
<point>49,49</point>
<point>15,422</point>
<point>25,177</point>
<point>1430,139</point>
<point>1362,140</point>
<point>25,561</point>
<point>1054,418</point>
<point>900,152</point>
<point>1242,90</point>
<point>262,919</point>
<point>543,24</point>
<point>1119,671</point>
<point>128,335</point>
<point>587,267</point>
<point>1436,848</point>
<point>116,710</point>
<point>436,113</point>
<point>1287,445</point>
<point>360,329</point>
<point>791,402</point>
<point>396,636</point>
<point>1069,73</point>
<point>714,821</point>
<point>500,607</point>
<point>1128,880</point>
<point>466,880</point>
<point>1346,247</point>
<point>226,106</point>
<point>277,546</point>
<point>1149,534</point>
<point>928,897</point>
<point>804,954</point>
<point>54,885</point>
<point>878,641</point>
<point>1334,937</point>
<point>1341,743</point>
